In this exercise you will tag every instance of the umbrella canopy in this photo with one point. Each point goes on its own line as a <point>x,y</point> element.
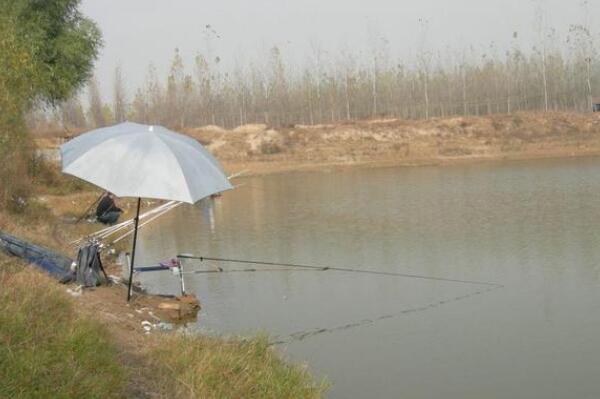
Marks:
<point>134,160</point>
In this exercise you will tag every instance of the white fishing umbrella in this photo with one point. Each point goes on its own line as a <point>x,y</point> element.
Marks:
<point>141,161</point>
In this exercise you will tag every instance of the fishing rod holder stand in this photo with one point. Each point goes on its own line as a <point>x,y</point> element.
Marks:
<point>181,279</point>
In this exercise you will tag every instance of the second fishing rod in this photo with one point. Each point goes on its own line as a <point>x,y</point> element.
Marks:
<point>333,268</point>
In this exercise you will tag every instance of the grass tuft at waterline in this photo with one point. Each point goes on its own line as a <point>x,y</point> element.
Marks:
<point>197,366</point>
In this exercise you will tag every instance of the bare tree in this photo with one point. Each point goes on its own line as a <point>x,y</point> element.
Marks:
<point>541,28</point>
<point>119,96</point>
<point>581,42</point>
<point>72,115</point>
<point>356,85</point>
<point>96,107</point>
<point>424,61</point>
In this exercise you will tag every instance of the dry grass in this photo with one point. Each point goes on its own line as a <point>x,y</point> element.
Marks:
<point>207,367</point>
<point>48,179</point>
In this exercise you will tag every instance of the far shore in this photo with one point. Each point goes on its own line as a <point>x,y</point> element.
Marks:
<point>259,149</point>
<point>268,168</point>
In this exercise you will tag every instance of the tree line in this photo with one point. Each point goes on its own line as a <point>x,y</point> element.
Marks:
<point>553,74</point>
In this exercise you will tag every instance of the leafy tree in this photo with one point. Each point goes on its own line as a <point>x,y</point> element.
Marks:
<point>47,51</point>
<point>62,44</point>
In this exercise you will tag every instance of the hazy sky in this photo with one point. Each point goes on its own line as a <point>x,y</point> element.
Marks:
<point>137,32</point>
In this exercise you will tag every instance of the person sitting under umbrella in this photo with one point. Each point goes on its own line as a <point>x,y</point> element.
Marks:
<point>144,161</point>
<point>107,211</point>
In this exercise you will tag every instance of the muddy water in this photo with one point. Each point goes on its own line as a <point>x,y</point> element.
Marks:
<point>533,227</point>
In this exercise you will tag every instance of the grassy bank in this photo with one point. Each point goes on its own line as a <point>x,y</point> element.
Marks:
<point>51,348</point>
<point>55,345</point>
<point>46,348</point>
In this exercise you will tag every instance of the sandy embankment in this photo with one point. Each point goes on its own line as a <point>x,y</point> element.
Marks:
<point>261,149</point>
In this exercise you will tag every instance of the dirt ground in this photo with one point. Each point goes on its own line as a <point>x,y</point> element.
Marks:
<point>133,323</point>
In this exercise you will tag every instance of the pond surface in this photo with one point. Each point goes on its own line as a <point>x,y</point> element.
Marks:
<point>533,227</point>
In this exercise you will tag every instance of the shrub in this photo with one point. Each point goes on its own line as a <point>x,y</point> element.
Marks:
<point>48,178</point>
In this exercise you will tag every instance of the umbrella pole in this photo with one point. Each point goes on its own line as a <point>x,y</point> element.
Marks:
<point>135,231</point>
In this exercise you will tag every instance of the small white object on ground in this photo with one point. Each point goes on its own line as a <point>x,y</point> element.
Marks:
<point>147,326</point>
<point>77,291</point>
<point>73,293</point>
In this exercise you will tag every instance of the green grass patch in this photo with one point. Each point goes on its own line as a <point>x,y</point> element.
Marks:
<point>46,350</point>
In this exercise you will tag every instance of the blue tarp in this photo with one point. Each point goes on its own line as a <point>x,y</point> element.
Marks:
<point>57,265</point>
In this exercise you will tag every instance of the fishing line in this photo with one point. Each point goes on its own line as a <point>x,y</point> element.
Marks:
<point>339,269</point>
<point>301,335</point>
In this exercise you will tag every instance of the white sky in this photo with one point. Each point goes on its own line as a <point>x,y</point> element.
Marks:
<point>137,32</point>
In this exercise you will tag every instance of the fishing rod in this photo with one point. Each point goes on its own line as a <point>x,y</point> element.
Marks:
<point>241,271</point>
<point>339,269</point>
<point>158,214</point>
<point>301,335</point>
<point>108,231</point>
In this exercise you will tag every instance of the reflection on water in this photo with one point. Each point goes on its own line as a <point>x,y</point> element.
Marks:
<point>531,226</point>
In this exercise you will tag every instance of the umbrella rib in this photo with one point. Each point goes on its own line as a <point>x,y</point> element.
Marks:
<point>83,155</point>
<point>75,141</point>
<point>191,144</point>
<point>181,172</point>
<point>214,166</point>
